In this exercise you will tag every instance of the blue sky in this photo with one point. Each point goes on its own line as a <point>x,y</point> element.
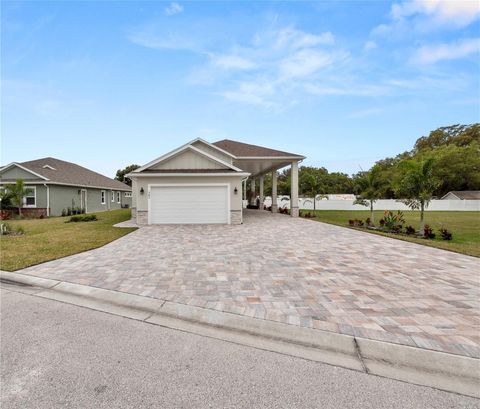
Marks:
<point>107,84</point>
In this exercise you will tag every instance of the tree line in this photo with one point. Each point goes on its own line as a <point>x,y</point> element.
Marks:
<point>453,153</point>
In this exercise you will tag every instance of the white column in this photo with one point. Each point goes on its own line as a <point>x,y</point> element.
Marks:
<point>274,192</point>
<point>294,190</point>
<point>261,193</point>
<point>252,189</point>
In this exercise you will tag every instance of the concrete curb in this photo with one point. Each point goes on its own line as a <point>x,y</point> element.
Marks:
<point>452,373</point>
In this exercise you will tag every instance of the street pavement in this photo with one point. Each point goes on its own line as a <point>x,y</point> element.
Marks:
<point>56,355</point>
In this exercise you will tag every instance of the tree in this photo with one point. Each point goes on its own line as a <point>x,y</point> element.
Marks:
<point>370,188</point>
<point>416,185</point>
<point>122,172</point>
<point>17,191</point>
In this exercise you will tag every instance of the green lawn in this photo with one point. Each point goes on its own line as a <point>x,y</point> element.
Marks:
<point>465,227</point>
<point>49,239</point>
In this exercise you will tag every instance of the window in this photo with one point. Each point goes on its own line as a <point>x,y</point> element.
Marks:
<point>113,196</point>
<point>118,197</point>
<point>103,196</point>
<point>31,197</point>
<point>128,194</point>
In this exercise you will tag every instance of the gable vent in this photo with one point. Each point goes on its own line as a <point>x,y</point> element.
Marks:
<point>48,167</point>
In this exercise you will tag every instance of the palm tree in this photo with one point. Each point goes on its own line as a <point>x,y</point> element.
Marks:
<point>370,187</point>
<point>417,185</point>
<point>17,192</point>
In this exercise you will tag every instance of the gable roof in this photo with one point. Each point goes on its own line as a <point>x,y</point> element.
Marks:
<point>246,150</point>
<point>183,148</point>
<point>58,171</point>
<point>465,194</point>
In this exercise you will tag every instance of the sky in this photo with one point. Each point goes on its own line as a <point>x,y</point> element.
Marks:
<point>345,83</point>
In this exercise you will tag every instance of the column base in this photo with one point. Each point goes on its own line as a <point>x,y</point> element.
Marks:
<point>274,208</point>
<point>294,212</point>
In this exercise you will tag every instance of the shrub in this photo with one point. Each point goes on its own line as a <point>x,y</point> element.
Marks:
<point>446,235</point>
<point>428,232</point>
<point>392,221</point>
<point>80,218</point>
<point>351,222</point>
<point>69,211</point>
<point>64,212</point>
<point>6,229</point>
<point>368,221</point>
<point>410,230</point>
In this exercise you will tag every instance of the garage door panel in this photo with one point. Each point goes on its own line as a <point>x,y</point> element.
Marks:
<point>188,204</point>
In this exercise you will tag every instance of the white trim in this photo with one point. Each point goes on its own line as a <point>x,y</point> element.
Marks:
<point>2,182</point>
<point>270,157</point>
<point>149,186</point>
<point>177,152</point>
<point>24,168</point>
<point>34,188</point>
<point>48,167</point>
<point>141,175</point>
<point>103,197</point>
<point>127,194</point>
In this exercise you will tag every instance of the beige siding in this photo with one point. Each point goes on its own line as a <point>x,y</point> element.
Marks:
<point>213,151</point>
<point>141,201</point>
<point>188,160</point>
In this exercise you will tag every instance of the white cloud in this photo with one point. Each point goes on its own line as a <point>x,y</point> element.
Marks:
<point>173,8</point>
<point>306,62</point>
<point>369,45</point>
<point>231,62</point>
<point>441,52</point>
<point>295,39</point>
<point>458,12</point>
<point>252,93</point>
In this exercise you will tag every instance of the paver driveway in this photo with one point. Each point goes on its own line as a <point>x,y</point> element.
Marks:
<point>299,272</point>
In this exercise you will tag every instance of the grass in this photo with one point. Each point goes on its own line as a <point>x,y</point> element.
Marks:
<point>49,239</point>
<point>465,227</point>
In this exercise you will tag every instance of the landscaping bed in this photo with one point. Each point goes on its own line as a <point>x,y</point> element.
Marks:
<point>464,226</point>
<point>51,238</point>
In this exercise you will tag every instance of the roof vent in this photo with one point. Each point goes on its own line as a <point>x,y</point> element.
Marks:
<point>48,167</point>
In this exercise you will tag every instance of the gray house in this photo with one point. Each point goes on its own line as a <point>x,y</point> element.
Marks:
<point>55,185</point>
<point>462,195</point>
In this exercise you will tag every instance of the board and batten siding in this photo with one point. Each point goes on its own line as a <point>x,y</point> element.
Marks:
<point>188,160</point>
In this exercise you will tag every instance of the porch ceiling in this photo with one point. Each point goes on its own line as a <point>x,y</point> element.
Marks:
<point>258,166</point>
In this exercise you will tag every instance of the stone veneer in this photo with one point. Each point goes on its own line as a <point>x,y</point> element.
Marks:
<point>235,217</point>
<point>141,217</point>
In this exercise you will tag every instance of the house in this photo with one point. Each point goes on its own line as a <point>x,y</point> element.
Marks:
<point>462,195</point>
<point>55,185</point>
<point>203,182</point>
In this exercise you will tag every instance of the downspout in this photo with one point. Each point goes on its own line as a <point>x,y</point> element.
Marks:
<point>48,199</point>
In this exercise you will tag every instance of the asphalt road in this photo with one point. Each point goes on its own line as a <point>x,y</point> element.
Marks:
<point>55,355</point>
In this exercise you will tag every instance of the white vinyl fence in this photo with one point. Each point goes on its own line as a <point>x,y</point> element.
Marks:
<point>384,204</point>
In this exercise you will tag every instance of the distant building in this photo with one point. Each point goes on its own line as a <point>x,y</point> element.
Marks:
<point>340,196</point>
<point>462,195</point>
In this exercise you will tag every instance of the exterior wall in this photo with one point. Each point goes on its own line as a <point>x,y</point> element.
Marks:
<point>188,160</point>
<point>450,196</point>
<point>141,201</point>
<point>14,173</point>
<point>62,197</point>
<point>435,205</point>
<point>214,152</point>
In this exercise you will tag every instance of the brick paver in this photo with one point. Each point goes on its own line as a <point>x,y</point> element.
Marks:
<point>299,272</point>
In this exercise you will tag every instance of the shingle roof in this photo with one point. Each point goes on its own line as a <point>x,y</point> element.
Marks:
<point>70,173</point>
<point>241,149</point>
<point>466,194</point>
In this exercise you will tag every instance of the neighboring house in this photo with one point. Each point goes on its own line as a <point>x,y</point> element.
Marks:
<point>462,195</point>
<point>56,185</point>
<point>202,182</point>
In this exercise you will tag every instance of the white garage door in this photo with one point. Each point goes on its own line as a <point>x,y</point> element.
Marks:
<point>188,204</point>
